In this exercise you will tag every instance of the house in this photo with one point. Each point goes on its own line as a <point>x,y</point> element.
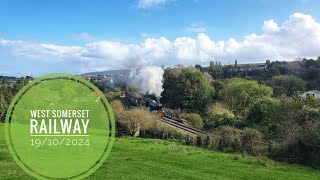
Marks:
<point>262,66</point>
<point>313,93</point>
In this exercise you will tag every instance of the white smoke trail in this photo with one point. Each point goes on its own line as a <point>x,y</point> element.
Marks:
<point>148,80</point>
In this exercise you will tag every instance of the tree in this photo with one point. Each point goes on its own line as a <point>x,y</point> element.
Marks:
<point>118,109</point>
<point>238,93</point>
<point>287,85</point>
<point>262,112</point>
<point>219,116</point>
<point>3,107</point>
<point>216,64</point>
<point>137,119</point>
<point>186,88</point>
<point>218,87</point>
<point>199,67</point>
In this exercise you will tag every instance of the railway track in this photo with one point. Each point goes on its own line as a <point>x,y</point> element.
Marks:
<point>182,126</point>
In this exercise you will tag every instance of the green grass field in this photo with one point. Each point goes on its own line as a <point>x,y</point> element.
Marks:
<point>137,158</point>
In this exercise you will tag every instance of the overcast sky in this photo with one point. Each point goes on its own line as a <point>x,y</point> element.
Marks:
<point>77,36</point>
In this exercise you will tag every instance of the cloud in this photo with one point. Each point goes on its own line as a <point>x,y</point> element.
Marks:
<point>148,4</point>
<point>196,28</point>
<point>86,37</point>
<point>270,27</point>
<point>299,36</point>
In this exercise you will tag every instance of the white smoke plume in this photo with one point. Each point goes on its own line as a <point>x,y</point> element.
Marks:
<point>148,80</point>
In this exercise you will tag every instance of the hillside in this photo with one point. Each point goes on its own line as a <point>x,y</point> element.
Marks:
<point>137,158</point>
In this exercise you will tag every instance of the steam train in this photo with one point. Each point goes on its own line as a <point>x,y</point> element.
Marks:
<point>138,101</point>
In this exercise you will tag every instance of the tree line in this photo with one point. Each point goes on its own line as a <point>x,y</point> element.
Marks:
<point>268,101</point>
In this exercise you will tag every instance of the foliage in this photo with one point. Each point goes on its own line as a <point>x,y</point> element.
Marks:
<point>141,158</point>
<point>248,136</point>
<point>310,72</point>
<point>287,85</point>
<point>186,88</point>
<point>219,116</point>
<point>194,120</point>
<point>218,86</point>
<point>118,109</point>
<point>141,122</point>
<point>7,91</point>
<point>137,119</point>
<point>161,131</point>
<point>298,130</point>
<point>229,139</point>
<point>262,111</point>
<point>238,93</point>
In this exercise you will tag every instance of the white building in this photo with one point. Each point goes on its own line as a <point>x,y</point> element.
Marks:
<point>313,93</point>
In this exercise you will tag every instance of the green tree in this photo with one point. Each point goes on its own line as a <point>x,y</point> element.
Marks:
<point>238,93</point>
<point>218,86</point>
<point>287,85</point>
<point>262,111</point>
<point>219,116</point>
<point>186,88</point>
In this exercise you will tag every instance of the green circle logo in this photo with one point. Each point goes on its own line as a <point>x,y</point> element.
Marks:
<point>60,126</point>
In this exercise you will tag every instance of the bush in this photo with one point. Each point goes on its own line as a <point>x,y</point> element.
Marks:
<point>138,119</point>
<point>262,111</point>
<point>299,134</point>
<point>194,120</point>
<point>229,138</point>
<point>248,136</point>
<point>302,147</point>
<point>118,109</point>
<point>161,131</point>
<point>202,141</point>
<point>219,116</point>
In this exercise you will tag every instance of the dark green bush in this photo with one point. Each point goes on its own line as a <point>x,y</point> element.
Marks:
<point>229,139</point>
<point>248,136</point>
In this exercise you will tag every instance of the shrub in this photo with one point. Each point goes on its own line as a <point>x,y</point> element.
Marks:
<point>161,131</point>
<point>229,138</point>
<point>202,141</point>
<point>248,136</point>
<point>300,127</point>
<point>219,116</point>
<point>118,109</point>
<point>137,119</point>
<point>303,146</point>
<point>262,111</point>
<point>194,120</point>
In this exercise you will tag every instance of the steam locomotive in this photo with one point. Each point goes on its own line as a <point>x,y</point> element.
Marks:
<point>138,101</point>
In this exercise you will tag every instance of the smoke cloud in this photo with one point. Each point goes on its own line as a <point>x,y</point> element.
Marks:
<point>148,80</point>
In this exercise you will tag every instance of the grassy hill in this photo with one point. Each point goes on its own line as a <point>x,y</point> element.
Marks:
<point>137,158</point>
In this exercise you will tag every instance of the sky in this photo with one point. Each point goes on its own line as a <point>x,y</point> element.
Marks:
<point>78,36</point>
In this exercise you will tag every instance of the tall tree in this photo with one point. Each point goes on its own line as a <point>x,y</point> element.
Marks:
<point>238,93</point>
<point>287,85</point>
<point>186,88</point>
